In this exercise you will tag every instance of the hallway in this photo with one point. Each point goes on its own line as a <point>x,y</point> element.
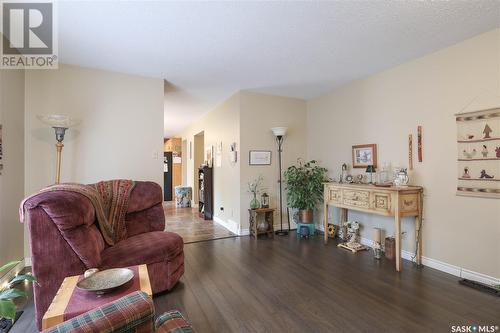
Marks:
<point>192,228</point>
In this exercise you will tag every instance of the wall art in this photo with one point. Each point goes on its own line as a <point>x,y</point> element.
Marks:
<point>478,141</point>
<point>259,157</point>
<point>364,155</point>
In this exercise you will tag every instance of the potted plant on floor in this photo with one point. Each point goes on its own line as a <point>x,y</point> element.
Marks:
<point>8,294</point>
<point>304,186</point>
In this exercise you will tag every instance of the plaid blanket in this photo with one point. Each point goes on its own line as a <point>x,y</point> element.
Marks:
<point>110,200</point>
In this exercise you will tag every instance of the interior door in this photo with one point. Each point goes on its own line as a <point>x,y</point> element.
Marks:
<point>167,176</point>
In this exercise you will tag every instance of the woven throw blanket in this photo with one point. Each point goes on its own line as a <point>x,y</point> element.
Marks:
<point>110,200</point>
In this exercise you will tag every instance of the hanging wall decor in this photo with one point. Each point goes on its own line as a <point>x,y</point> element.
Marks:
<point>478,140</point>
<point>419,143</point>
<point>410,152</point>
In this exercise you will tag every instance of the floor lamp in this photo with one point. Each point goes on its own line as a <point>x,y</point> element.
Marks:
<point>60,123</point>
<point>279,133</point>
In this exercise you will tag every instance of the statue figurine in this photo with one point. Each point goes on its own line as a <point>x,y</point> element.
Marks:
<point>466,173</point>
<point>497,150</point>
<point>485,175</point>
<point>484,151</point>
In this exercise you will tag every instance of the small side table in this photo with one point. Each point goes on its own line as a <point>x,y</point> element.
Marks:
<point>70,302</point>
<point>268,215</point>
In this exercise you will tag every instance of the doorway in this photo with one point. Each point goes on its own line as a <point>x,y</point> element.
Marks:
<point>199,157</point>
<point>172,171</point>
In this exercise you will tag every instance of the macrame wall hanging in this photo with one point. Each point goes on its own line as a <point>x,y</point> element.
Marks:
<point>478,140</point>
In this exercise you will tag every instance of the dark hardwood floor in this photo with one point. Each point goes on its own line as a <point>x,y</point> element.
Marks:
<point>291,285</point>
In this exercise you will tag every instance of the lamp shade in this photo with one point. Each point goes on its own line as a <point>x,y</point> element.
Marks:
<point>279,131</point>
<point>58,120</point>
<point>370,169</point>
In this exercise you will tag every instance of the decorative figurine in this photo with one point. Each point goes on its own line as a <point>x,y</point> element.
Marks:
<point>466,173</point>
<point>359,178</point>
<point>349,179</point>
<point>401,177</point>
<point>471,154</point>
<point>484,151</point>
<point>487,130</point>
<point>485,175</point>
<point>343,173</point>
<point>352,243</point>
<point>497,150</point>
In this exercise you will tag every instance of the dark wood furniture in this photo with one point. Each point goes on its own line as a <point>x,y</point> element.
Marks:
<point>205,192</point>
<point>268,215</point>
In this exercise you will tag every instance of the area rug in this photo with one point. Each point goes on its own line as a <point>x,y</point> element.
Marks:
<point>187,223</point>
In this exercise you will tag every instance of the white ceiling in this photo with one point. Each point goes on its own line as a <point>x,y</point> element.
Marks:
<point>208,50</point>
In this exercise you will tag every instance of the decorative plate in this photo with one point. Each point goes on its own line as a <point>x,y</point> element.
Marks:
<point>106,281</point>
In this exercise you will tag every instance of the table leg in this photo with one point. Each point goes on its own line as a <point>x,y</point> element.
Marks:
<point>326,223</point>
<point>418,229</point>
<point>397,227</point>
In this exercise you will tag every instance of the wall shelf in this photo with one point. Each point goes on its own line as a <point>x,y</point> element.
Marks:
<point>478,140</point>
<point>480,159</point>
<point>481,179</point>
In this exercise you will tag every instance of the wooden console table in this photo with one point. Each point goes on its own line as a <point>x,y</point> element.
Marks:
<point>388,201</point>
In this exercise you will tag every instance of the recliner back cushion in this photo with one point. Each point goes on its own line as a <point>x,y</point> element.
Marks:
<point>74,217</point>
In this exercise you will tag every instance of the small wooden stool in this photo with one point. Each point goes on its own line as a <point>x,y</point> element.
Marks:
<point>268,215</point>
<point>311,226</point>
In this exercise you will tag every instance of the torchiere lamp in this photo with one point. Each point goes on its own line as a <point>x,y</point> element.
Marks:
<point>279,133</point>
<point>371,169</point>
<point>60,123</point>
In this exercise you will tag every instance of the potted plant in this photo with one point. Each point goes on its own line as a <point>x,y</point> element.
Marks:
<point>8,293</point>
<point>304,186</point>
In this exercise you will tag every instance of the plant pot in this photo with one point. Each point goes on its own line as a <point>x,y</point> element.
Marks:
<point>305,216</point>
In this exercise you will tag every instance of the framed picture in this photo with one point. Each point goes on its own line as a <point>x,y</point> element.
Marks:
<point>259,157</point>
<point>364,155</point>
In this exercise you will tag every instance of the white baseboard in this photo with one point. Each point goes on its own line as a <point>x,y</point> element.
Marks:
<point>244,232</point>
<point>440,265</point>
<point>27,262</point>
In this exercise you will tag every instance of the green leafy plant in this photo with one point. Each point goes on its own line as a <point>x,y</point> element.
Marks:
<point>8,293</point>
<point>304,184</point>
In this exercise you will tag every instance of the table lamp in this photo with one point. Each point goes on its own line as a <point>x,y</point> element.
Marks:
<point>60,123</point>
<point>371,169</point>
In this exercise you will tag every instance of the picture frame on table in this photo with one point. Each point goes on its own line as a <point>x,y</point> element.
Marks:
<point>259,157</point>
<point>364,155</point>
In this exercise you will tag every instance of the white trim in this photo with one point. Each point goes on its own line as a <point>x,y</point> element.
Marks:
<point>230,225</point>
<point>440,265</point>
<point>244,232</point>
<point>27,261</point>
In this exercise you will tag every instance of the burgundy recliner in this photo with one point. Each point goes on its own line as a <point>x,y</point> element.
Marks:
<point>65,241</point>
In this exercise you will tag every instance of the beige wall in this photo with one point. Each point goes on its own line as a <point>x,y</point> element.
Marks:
<point>259,113</point>
<point>219,125</point>
<point>246,118</point>
<point>120,134</point>
<point>121,129</point>
<point>12,178</point>
<point>386,107</point>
